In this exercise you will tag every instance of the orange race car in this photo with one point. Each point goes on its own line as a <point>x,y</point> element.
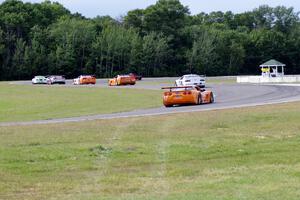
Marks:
<point>122,80</point>
<point>84,79</point>
<point>186,95</point>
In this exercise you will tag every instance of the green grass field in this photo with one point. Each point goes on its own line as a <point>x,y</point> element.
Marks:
<point>26,103</point>
<point>249,153</point>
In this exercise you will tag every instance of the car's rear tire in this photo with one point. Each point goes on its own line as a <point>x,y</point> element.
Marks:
<point>199,99</point>
<point>212,98</point>
<point>168,106</point>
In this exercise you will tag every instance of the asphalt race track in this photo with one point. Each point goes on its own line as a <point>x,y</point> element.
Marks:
<point>226,96</point>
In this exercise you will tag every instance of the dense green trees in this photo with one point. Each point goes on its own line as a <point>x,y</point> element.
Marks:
<point>24,32</point>
<point>73,38</point>
<point>112,50</point>
<point>161,40</point>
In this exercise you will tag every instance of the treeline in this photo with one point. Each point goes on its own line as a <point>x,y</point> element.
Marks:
<point>161,40</point>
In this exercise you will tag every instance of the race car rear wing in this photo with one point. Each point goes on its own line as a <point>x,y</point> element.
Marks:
<point>175,87</point>
<point>183,87</point>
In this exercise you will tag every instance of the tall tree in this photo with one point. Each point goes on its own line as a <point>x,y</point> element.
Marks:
<point>2,50</point>
<point>285,19</point>
<point>135,19</point>
<point>18,69</point>
<point>37,52</point>
<point>155,54</point>
<point>74,36</point>
<point>202,56</point>
<point>170,14</point>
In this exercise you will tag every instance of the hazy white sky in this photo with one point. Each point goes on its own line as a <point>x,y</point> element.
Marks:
<point>115,8</point>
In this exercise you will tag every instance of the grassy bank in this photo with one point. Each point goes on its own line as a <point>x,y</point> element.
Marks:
<point>249,153</point>
<point>26,103</point>
<point>221,80</point>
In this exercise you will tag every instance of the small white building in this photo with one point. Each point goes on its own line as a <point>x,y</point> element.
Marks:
<point>271,72</point>
<point>272,68</point>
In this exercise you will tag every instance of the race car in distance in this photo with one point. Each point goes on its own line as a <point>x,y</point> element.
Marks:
<point>185,95</point>
<point>137,77</point>
<point>122,80</point>
<point>39,80</point>
<point>56,79</point>
<point>84,79</point>
<point>190,80</point>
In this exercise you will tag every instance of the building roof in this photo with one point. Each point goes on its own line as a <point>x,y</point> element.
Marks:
<point>272,63</point>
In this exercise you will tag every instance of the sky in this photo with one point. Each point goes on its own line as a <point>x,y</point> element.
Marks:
<point>117,8</point>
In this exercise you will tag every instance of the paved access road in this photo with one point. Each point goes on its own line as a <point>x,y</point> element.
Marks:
<point>227,96</point>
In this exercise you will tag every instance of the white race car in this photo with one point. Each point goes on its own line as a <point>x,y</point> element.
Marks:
<point>191,80</point>
<point>39,80</point>
<point>56,79</point>
<point>76,81</point>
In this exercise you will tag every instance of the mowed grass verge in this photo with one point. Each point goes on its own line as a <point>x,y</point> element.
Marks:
<point>26,103</point>
<point>221,80</point>
<point>249,153</point>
